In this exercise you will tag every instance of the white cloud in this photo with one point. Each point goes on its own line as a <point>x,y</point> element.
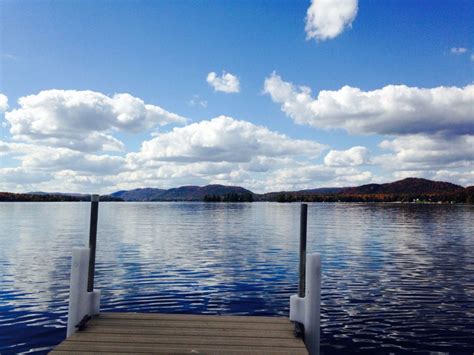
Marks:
<point>430,157</point>
<point>222,150</point>
<point>227,82</point>
<point>7,148</point>
<point>394,109</point>
<point>307,176</point>
<point>45,168</point>
<point>66,159</point>
<point>276,175</point>
<point>421,152</point>
<point>463,178</point>
<point>458,50</point>
<point>351,157</point>
<point>71,180</point>
<point>83,120</point>
<point>3,103</point>
<point>50,159</point>
<point>223,139</point>
<point>327,19</point>
<point>20,176</point>
<point>173,174</point>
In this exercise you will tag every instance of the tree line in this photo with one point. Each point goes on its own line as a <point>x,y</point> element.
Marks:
<point>231,197</point>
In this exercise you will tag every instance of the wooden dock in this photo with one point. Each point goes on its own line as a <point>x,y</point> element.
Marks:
<point>119,333</point>
<point>183,334</point>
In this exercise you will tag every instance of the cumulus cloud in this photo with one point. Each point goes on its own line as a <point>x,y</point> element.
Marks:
<point>251,174</point>
<point>66,159</point>
<point>221,150</point>
<point>7,148</point>
<point>463,178</point>
<point>393,109</point>
<point>50,159</point>
<point>43,168</point>
<point>223,139</point>
<point>227,82</point>
<point>3,103</point>
<point>458,50</point>
<point>83,120</point>
<point>20,175</point>
<point>351,157</point>
<point>173,174</point>
<point>327,19</point>
<point>71,180</point>
<point>275,174</point>
<point>423,152</point>
<point>306,176</point>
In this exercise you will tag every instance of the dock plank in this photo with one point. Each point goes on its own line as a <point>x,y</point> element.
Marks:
<point>180,334</point>
<point>193,317</point>
<point>257,333</point>
<point>81,348</point>
<point>191,324</point>
<point>183,339</point>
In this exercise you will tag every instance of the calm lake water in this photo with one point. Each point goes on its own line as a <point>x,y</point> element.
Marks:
<point>396,278</point>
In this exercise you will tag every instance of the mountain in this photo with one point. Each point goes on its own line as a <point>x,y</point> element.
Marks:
<point>183,193</point>
<point>322,190</point>
<point>405,186</point>
<point>147,194</point>
<point>406,190</point>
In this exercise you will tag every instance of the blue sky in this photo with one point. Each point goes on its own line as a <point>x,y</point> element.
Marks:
<point>273,135</point>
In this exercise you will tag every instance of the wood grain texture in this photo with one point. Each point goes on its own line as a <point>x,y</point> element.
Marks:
<point>183,334</point>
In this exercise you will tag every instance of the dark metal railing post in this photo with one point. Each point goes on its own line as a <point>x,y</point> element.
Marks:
<point>299,328</point>
<point>92,241</point>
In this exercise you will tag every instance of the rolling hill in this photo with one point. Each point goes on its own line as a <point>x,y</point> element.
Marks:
<point>183,193</point>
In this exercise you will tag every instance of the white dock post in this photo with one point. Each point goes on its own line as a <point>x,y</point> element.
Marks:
<point>306,310</point>
<point>83,299</point>
<point>79,304</point>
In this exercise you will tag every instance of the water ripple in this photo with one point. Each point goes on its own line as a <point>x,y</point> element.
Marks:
<point>396,278</point>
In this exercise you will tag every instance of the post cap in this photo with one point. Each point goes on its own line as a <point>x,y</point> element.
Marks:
<point>94,198</point>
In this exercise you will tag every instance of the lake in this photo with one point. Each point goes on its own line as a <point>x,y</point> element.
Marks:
<point>396,278</point>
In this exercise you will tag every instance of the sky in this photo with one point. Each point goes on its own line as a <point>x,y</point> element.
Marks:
<point>100,96</point>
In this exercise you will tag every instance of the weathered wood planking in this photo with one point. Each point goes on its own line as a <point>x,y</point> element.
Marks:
<point>183,334</point>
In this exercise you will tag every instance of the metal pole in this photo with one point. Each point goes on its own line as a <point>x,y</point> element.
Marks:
<point>92,241</point>
<point>299,328</point>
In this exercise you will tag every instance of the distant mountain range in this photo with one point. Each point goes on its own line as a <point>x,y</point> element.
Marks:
<point>406,190</point>
<point>408,185</point>
<point>183,193</point>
